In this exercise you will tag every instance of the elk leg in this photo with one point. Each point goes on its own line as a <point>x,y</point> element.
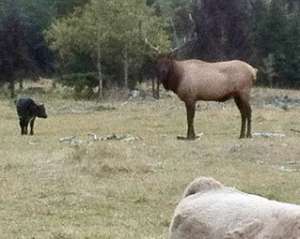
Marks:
<point>240,104</point>
<point>190,112</point>
<point>248,114</point>
<point>31,126</point>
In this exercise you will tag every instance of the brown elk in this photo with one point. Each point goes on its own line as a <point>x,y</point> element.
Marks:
<point>194,80</point>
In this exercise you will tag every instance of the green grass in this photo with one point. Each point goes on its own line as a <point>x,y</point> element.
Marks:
<point>129,189</point>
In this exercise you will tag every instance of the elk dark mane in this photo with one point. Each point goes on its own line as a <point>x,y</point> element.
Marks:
<point>172,79</point>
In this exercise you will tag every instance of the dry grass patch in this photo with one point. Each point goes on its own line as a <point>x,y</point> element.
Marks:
<point>128,189</point>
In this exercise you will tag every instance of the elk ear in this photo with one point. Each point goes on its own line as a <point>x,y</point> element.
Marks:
<point>171,55</point>
<point>162,56</point>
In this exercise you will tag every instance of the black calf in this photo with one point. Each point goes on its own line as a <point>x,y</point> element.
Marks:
<point>27,110</point>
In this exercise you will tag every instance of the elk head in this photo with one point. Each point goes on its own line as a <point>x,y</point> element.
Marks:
<point>164,69</point>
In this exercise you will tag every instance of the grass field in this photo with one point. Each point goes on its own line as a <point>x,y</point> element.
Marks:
<point>129,188</point>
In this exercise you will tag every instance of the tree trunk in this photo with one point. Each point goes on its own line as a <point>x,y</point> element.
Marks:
<point>157,89</point>
<point>153,87</point>
<point>174,33</point>
<point>54,86</point>
<point>21,85</point>
<point>126,66</point>
<point>12,87</point>
<point>59,75</point>
<point>99,70</point>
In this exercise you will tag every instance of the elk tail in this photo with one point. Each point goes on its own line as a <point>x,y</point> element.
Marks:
<point>254,74</point>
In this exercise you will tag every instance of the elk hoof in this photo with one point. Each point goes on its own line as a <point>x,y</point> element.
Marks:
<point>187,138</point>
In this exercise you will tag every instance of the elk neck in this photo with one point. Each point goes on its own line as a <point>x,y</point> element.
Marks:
<point>173,78</point>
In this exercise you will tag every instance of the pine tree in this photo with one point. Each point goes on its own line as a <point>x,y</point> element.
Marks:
<point>15,59</point>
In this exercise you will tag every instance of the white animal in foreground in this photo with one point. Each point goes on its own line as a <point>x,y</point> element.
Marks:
<point>209,210</point>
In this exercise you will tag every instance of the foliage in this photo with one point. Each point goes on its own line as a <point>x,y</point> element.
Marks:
<point>223,29</point>
<point>260,32</point>
<point>277,35</point>
<point>101,25</point>
<point>107,38</point>
<point>177,15</point>
<point>23,49</point>
<point>14,50</point>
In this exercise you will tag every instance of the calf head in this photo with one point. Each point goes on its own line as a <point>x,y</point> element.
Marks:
<point>40,111</point>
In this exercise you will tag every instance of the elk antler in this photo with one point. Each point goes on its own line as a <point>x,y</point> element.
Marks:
<point>172,50</point>
<point>185,44</point>
<point>152,47</point>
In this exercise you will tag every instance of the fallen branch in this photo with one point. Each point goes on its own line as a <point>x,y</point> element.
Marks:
<point>119,137</point>
<point>268,134</point>
<point>67,139</point>
<point>295,130</point>
<point>93,136</point>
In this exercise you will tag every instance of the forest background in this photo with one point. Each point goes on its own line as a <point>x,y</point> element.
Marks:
<point>94,45</point>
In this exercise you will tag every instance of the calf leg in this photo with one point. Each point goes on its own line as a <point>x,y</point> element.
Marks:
<point>21,122</point>
<point>32,125</point>
<point>25,126</point>
<point>190,111</point>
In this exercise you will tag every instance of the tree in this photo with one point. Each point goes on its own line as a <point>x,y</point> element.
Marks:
<point>277,37</point>
<point>177,14</point>
<point>111,34</point>
<point>289,65</point>
<point>222,28</point>
<point>16,60</point>
<point>23,49</point>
